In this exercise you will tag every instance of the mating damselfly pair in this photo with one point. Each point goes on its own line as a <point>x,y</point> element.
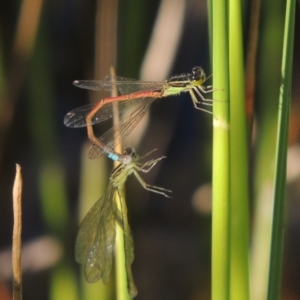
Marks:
<point>134,94</point>
<point>96,238</point>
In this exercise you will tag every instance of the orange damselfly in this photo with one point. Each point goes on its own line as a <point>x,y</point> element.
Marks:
<point>133,94</point>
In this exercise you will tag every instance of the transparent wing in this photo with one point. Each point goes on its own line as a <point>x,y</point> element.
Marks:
<point>122,84</point>
<point>77,117</point>
<point>96,239</point>
<point>116,134</point>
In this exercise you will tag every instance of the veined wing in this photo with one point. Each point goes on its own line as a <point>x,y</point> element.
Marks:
<point>122,84</point>
<point>96,239</point>
<point>120,131</point>
<point>77,117</point>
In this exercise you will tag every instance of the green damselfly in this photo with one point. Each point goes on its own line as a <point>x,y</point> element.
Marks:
<point>96,237</point>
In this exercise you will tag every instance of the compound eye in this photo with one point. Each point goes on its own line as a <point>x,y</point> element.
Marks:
<point>127,151</point>
<point>198,74</point>
<point>196,71</point>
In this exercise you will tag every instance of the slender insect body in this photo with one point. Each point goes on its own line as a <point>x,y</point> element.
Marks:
<point>96,237</point>
<point>133,94</point>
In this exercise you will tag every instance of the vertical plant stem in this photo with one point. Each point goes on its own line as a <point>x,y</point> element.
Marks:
<point>281,155</point>
<point>121,276</point>
<point>251,59</point>
<point>121,281</point>
<point>17,231</point>
<point>221,154</point>
<point>239,270</point>
<point>266,118</point>
<point>93,182</point>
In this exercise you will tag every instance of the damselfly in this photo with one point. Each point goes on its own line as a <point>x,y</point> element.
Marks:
<point>133,94</point>
<point>96,237</point>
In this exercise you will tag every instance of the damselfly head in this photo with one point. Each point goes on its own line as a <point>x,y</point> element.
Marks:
<point>198,74</point>
<point>129,151</point>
